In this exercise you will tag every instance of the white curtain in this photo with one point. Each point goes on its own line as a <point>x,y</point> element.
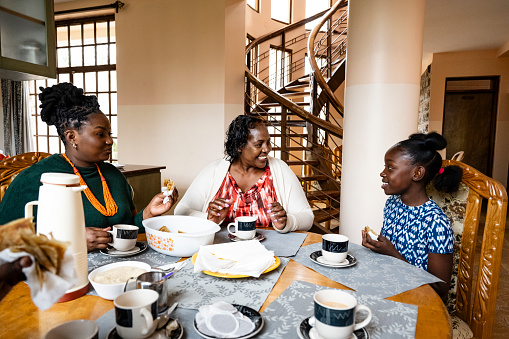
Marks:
<point>16,118</point>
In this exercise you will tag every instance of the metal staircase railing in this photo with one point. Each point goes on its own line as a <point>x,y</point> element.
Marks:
<point>296,98</point>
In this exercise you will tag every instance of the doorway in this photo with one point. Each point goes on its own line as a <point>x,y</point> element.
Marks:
<point>469,124</point>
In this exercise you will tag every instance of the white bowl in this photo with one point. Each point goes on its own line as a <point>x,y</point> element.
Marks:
<point>111,291</point>
<point>186,234</point>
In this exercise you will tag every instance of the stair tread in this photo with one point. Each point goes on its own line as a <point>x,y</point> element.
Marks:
<point>277,104</point>
<point>302,162</point>
<point>313,177</point>
<point>322,194</point>
<point>292,148</point>
<point>325,214</point>
<point>294,94</point>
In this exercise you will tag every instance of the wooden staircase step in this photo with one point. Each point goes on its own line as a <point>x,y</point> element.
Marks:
<point>293,135</point>
<point>290,123</point>
<point>292,148</point>
<point>317,195</point>
<point>276,104</point>
<point>313,177</point>
<point>322,215</point>
<point>295,94</point>
<point>296,87</point>
<point>302,162</point>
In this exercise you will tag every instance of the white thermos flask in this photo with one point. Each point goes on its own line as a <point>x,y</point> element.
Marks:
<point>60,211</point>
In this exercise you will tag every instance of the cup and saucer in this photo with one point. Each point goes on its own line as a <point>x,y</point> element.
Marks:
<point>306,331</point>
<point>334,252</point>
<point>244,228</point>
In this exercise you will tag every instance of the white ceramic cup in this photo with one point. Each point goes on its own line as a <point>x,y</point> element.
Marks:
<point>334,247</point>
<point>245,227</point>
<point>335,313</point>
<point>136,313</point>
<point>75,329</point>
<point>124,237</point>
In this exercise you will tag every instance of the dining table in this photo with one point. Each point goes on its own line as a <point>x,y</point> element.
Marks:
<point>20,318</point>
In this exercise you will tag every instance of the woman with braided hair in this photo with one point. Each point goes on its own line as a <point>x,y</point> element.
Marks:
<point>86,134</point>
<point>415,229</point>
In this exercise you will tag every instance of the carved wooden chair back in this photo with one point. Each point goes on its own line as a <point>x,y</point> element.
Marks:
<point>475,305</point>
<point>10,167</point>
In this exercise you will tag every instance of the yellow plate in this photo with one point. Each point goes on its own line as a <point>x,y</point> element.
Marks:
<point>226,275</point>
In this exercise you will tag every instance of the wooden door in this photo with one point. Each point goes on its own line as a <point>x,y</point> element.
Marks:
<point>470,119</point>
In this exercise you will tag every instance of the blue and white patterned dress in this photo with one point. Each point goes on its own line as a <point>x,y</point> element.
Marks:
<point>417,230</point>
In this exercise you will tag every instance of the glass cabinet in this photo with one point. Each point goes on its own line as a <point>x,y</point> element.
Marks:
<point>27,39</point>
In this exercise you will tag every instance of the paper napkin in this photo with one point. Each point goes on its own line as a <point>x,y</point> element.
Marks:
<point>53,287</point>
<point>238,258</point>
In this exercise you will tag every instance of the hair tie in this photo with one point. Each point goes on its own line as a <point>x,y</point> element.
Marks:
<point>441,170</point>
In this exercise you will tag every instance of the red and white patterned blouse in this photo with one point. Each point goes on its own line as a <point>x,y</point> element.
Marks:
<point>254,201</point>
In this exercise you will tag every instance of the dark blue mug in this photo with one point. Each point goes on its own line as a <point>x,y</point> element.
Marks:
<point>334,247</point>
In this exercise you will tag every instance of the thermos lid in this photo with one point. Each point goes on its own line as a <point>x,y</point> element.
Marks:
<point>65,179</point>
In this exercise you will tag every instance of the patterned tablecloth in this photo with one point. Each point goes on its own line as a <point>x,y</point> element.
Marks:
<point>374,274</point>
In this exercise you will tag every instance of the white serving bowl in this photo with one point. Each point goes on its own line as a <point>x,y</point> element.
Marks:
<point>186,234</point>
<point>111,291</point>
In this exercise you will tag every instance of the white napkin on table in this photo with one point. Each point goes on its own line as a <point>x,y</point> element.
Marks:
<point>223,320</point>
<point>238,258</point>
<point>53,287</point>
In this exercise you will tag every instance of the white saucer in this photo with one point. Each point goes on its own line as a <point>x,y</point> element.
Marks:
<point>258,236</point>
<point>140,247</point>
<point>306,331</point>
<point>160,333</point>
<point>317,257</point>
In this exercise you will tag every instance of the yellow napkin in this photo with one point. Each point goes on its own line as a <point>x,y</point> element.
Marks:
<point>238,258</point>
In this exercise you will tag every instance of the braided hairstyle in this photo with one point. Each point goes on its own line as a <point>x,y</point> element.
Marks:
<point>422,149</point>
<point>65,106</point>
<point>237,134</point>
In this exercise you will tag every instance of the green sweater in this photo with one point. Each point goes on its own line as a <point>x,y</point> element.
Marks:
<point>25,188</point>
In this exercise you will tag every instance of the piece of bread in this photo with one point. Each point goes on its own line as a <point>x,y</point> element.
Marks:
<point>19,236</point>
<point>371,233</point>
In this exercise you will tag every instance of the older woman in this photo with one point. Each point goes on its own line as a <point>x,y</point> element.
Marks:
<point>248,182</point>
<point>86,134</point>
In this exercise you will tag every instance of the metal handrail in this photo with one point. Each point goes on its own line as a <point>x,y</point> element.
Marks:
<point>312,61</point>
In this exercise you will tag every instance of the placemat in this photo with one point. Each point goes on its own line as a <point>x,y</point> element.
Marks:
<point>284,315</point>
<point>153,258</point>
<point>374,273</point>
<point>192,290</point>
<point>283,244</point>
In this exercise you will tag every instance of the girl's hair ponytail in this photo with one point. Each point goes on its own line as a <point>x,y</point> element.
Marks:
<point>448,179</point>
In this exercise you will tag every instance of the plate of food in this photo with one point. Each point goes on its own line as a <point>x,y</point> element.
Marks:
<point>234,276</point>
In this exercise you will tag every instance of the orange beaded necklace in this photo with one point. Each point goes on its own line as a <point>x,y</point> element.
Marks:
<point>111,206</point>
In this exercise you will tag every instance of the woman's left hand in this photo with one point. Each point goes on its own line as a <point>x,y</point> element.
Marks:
<point>277,215</point>
<point>156,206</point>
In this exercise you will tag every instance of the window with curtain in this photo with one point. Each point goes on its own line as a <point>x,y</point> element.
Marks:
<point>86,57</point>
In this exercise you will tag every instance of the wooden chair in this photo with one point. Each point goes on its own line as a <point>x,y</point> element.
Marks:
<point>475,305</point>
<point>10,167</point>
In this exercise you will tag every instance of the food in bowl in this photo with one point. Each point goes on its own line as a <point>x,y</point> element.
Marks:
<point>118,275</point>
<point>112,290</point>
<point>186,234</point>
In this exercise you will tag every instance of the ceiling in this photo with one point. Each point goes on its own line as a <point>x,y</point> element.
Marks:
<point>459,25</point>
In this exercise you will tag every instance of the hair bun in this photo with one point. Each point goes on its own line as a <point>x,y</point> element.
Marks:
<point>431,141</point>
<point>64,100</point>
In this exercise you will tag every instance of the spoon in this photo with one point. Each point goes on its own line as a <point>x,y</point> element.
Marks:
<point>163,319</point>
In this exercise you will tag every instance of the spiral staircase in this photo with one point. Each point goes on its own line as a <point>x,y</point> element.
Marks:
<point>291,77</point>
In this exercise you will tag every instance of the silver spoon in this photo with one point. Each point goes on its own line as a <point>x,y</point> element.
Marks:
<point>163,319</point>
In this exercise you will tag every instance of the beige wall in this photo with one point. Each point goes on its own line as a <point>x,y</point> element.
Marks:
<point>467,64</point>
<point>180,79</point>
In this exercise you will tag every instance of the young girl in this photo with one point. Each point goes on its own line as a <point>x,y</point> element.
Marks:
<point>415,229</point>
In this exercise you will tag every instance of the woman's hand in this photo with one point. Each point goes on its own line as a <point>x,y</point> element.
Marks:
<point>11,273</point>
<point>156,206</point>
<point>382,245</point>
<point>97,238</point>
<point>277,215</point>
<point>218,209</point>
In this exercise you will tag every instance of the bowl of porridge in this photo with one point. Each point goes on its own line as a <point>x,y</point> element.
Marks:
<point>109,280</point>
